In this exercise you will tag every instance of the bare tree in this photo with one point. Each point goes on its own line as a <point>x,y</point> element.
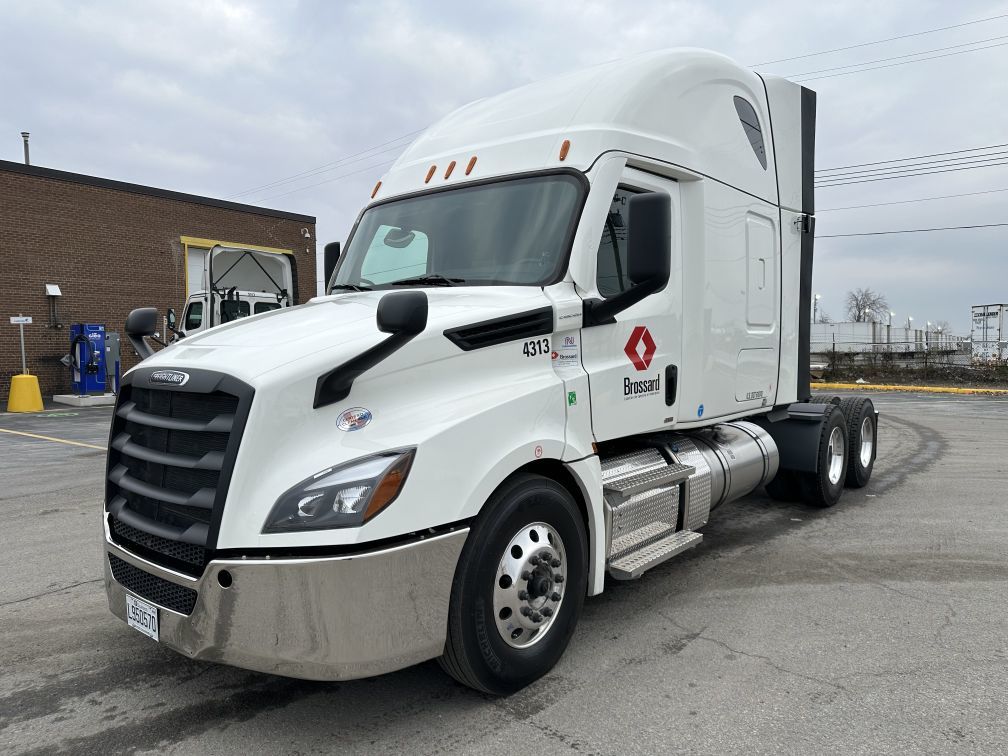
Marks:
<point>824,317</point>
<point>864,305</point>
<point>942,325</point>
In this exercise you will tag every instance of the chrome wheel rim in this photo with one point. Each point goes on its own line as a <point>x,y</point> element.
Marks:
<point>529,585</point>
<point>867,441</point>
<point>835,455</point>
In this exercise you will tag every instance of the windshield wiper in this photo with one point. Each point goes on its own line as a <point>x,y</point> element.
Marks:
<point>433,279</point>
<point>350,287</point>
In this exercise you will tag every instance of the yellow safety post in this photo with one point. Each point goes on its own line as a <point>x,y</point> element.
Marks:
<point>25,395</point>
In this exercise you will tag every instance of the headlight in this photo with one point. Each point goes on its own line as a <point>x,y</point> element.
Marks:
<point>343,496</point>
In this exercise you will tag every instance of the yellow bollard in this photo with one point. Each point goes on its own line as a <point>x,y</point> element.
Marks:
<point>25,395</point>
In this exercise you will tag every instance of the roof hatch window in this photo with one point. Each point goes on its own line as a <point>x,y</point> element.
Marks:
<point>750,124</point>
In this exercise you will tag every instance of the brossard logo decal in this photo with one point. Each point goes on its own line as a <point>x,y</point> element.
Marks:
<point>640,349</point>
<point>641,335</point>
<point>168,378</point>
<point>353,419</point>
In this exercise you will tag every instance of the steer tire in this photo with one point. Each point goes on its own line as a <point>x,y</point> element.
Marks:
<point>476,652</point>
<point>860,414</point>
<point>824,487</point>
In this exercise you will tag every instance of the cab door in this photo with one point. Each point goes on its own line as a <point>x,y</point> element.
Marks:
<point>633,364</point>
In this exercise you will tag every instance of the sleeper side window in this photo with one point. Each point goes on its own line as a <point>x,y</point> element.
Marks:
<point>750,124</point>
<point>611,265</point>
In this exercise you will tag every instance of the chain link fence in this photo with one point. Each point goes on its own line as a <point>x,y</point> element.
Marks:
<point>945,361</point>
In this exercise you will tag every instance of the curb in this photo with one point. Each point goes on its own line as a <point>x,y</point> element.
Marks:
<point>912,389</point>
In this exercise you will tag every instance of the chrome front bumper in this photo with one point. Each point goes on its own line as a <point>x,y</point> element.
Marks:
<point>325,618</point>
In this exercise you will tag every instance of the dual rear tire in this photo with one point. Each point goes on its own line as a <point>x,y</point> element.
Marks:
<point>845,456</point>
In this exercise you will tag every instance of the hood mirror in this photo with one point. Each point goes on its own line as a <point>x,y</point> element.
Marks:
<point>403,312</point>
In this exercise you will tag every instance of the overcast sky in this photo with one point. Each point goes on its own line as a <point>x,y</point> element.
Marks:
<point>218,98</point>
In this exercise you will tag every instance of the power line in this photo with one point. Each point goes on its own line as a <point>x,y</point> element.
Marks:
<point>897,57</point>
<point>911,230</point>
<point>912,157</point>
<point>880,41</point>
<point>329,166</point>
<point>329,180</point>
<point>909,175</point>
<point>909,201</point>
<point>905,62</point>
<point>910,167</point>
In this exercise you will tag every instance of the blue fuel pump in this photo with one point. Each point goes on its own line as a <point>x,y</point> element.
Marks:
<point>87,359</point>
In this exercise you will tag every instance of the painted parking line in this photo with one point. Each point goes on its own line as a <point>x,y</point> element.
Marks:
<point>57,440</point>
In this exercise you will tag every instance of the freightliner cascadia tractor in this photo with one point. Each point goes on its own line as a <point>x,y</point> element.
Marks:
<point>572,320</point>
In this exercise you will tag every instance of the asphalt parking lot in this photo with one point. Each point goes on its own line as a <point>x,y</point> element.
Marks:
<point>880,625</point>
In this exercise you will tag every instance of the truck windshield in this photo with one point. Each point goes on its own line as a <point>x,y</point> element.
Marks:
<point>512,232</point>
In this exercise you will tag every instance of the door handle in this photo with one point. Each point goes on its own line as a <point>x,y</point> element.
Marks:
<point>671,377</point>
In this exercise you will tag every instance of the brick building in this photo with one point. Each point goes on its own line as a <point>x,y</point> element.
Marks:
<point>112,246</point>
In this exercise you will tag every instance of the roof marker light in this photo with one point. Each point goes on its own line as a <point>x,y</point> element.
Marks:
<point>472,162</point>
<point>564,148</point>
<point>375,190</point>
<point>451,167</point>
<point>430,173</point>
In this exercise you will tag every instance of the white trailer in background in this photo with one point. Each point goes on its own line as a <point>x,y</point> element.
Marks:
<point>571,321</point>
<point>990,340</point>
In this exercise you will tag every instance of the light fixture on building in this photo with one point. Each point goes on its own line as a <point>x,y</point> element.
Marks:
<point>53,293</point>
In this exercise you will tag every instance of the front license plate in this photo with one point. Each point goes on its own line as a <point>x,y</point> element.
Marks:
<point>142,616</point>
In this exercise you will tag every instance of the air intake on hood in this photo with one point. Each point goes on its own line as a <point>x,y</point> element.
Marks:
<point>524,325</point>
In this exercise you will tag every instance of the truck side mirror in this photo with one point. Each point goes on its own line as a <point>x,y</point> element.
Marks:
<point>171,319</point>
<point>649,256</point>
<point>403,312</point>
<point>140,323</point>
<point>649,241</point>
<point>331,255</point>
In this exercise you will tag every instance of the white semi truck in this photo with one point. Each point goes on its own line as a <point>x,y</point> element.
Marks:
<point>572,320</point>
<point>234,282</point>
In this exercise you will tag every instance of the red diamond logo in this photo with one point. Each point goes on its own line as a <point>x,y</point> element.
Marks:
<point>640,335</point>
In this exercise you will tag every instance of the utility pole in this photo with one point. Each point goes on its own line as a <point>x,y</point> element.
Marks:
<point>24,136</point>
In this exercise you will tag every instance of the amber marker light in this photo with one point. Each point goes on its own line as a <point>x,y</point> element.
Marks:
<point>472,163</point>
<point>390,486</point>
<point>564,149</point>
<point>451,167</point>
<point>375,190</point>
<point>430,173</point>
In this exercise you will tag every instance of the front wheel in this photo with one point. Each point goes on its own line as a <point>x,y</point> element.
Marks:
<point>519,587</point>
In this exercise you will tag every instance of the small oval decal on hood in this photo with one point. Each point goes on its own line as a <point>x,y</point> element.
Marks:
<point>168,377</point>
<point>353,419</point>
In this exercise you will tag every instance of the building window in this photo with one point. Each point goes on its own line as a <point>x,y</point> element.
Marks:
<point>750,124</point>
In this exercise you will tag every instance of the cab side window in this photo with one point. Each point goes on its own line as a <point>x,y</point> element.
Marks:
<point>193,317</point>
<point>611,267</point>
<point>265,307</point>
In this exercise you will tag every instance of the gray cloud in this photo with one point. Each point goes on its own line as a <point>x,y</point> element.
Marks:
<point>216,97</point>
